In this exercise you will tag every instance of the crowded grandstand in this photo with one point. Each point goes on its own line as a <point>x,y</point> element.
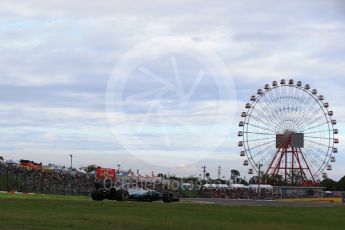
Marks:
<point>30,177</point>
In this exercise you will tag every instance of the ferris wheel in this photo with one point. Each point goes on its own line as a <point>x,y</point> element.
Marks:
<point>288,131</point>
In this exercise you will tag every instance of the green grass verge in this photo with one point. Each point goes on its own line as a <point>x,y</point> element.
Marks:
<point>69,212</point>
<point>42,197</point>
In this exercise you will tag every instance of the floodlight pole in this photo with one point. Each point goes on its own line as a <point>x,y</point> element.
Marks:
<point>71,156</point>
<point>219,172</point>
<point>204,171</point>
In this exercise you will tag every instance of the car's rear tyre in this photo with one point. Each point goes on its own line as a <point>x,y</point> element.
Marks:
<point>112,195</point>
<point>167,197</point>
<point>97,196</point>
<point>122,195</point>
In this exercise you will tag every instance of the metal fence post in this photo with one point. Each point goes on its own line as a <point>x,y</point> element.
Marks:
<point>7,180</point>
<point>33,182</point>
<point>16,173</point>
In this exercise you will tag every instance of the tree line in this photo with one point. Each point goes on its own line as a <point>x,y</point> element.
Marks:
<point>332,185</point>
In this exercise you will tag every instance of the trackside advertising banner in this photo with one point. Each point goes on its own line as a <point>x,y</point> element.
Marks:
<point>102,174</point>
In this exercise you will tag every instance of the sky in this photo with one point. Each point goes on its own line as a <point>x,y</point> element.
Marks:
<point>156,85</point>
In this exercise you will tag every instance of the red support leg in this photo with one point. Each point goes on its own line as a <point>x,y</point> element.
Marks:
<point>308,168</point>
<point>273,160</point>
<point>286,166</point>
<point>277,168</point>
<point>300,165</point>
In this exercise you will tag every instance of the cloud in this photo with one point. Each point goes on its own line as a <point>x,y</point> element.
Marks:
<point>56,60</point>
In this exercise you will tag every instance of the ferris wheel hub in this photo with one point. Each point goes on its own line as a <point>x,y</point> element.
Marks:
<point>288,132</point>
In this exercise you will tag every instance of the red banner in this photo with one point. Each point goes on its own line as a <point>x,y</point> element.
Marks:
<point>102,174</point>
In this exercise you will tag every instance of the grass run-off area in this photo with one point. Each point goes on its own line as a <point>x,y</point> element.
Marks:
<point>68,212</point>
